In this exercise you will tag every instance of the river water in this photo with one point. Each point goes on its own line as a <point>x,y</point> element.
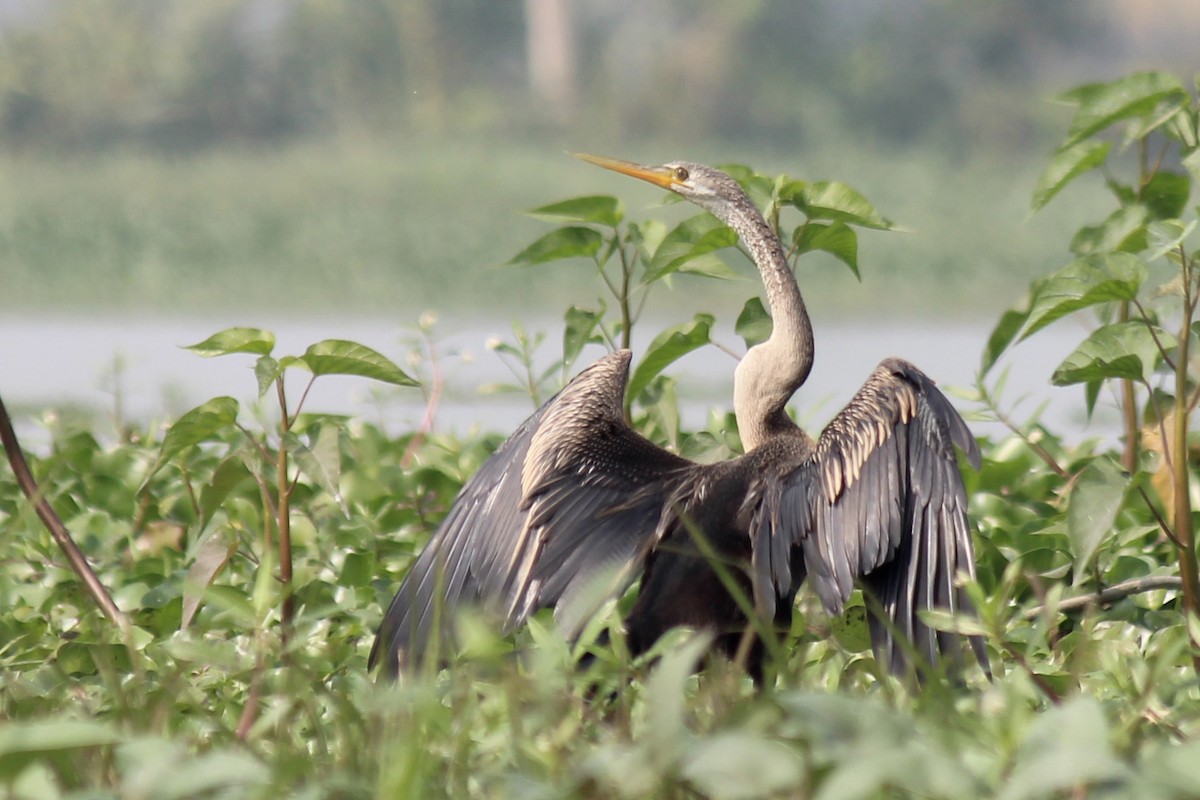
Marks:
<point>136,365</point>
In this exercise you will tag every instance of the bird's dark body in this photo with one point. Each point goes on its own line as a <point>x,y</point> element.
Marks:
<point>576,505</point>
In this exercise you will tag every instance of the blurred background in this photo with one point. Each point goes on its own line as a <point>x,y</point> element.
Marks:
<point>320,164</point>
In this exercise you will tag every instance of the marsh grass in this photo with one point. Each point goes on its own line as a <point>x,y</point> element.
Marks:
<point>393,228</point>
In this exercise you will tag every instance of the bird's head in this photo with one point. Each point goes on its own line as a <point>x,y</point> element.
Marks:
<point>709,188</point>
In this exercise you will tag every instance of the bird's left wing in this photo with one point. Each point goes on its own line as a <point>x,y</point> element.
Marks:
<point>561,514</point>
<point>879,501</point>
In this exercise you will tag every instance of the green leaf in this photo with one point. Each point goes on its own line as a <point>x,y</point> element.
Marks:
<point>1165,195</point>
<point>667,733</point>
<point>1083,283</point>
<point>340,357</point>
<point>837,239</point>
<point>320,461</point>
<point>558,244</point>
<point>740,765</point>
<point>202,775</point>
<point>1066,166</point>
<point>689,247</point>
<point>21,741</point>
<point>836,201</point>
<point>593,209</point>
<point>579,330</point>
<point>1003,334</point>
<point>235,340</point>
<point>198,425</point>
<point>850,629</point>
<point>670,345</point>
<point>1103,104</point>
<point>1092,509</point>
<point>1124,230</point>
<point>1067,747</point>
<point>1121,350</point>
<point>266,371</point>
<point>1165,236</point>
<point>754,324</point>
<point>211,557</point>
<point>228,475</point>
<point>1191,162</point>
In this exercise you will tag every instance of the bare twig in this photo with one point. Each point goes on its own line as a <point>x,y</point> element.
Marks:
<point>1111,594</point>
<point>54,524</point>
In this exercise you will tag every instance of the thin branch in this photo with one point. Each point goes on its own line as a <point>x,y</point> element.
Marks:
<point>54,524</point>
<point>1162,350</point>
<point>1110,595</point>
<point>1162,523</point>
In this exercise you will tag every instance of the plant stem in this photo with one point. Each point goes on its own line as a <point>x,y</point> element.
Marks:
<point>623,299</point>
<point>283,516</point>
<point>54,524</point>
<point>1128,409</point>
<point>1184,531</point>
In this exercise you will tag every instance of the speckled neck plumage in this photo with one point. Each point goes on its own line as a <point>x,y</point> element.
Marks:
<point>772,371</point>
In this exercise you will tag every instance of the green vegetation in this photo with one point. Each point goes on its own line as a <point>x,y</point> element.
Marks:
<point>394,229</point>
<point>242,670</point>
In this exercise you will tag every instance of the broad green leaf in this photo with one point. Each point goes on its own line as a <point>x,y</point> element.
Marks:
<point>1083,283</point>
<point>579,330</point>
<point>198,425</point>
<point>753,324</point>
<point>667,733</point>
<point>836,201</point>
<point>1192,163</point>
<point>741,765</point>
<point>648,235</point>
<point>204,774</point>
<point>850,629</point>
<point>45,735</point>
<point>1166,236</point>
<point>228,475</point>
<point>1066,166</point>
<point>235,340</point>
<point>1120,350</point>
<point>1092,508</point>
<point>1165,195</point>
<point>837,239</point>
<point>1067,746</point>
<point>358,570</point>
<point>689,247</point>
<point>340,357</point>
<point>670,345</point>
<point>1100,105</point>
<point>593,209</point>
<point>560,243</point>
<point>1124,230</point>
<point>266,371</point>
<point>320,461</point>
<point>1007,327</point>
<point>211,557</point>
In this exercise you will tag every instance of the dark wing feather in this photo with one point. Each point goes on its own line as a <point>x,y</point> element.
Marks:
<point>880,500</point>
<point>571,500</point>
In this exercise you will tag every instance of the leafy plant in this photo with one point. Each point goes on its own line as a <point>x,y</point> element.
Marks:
<point>1136,271</point>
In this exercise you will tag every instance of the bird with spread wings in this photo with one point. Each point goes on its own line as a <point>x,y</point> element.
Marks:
<point>576,505</point>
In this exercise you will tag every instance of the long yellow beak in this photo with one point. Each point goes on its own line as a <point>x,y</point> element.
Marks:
<point>659,176</point>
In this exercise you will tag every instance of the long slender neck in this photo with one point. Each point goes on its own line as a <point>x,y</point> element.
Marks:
<point>771,372</point>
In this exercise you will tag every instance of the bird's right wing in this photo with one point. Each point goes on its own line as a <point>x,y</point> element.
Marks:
<point>879,501</point>
<point>561,514</point>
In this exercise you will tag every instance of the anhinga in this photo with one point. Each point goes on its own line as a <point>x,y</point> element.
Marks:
<point>576,504</point>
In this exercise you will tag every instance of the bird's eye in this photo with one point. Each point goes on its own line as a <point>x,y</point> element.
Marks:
<point>681,174</point>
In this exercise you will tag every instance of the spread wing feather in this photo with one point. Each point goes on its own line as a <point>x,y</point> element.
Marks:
<point>572,498</point>
<point>879,500</point>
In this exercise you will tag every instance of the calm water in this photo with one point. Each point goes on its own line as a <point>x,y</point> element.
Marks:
<point>138,364</point>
